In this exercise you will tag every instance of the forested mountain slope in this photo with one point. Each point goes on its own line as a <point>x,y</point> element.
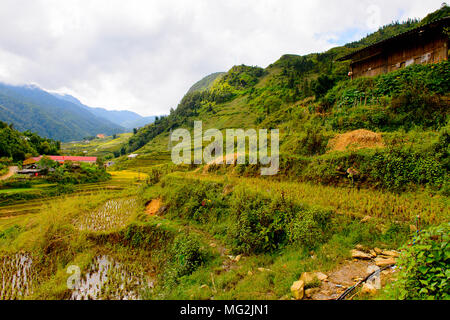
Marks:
<point>31,108</point>
<point>124,118</point>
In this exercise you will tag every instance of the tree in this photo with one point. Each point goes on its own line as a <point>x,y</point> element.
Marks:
<point>45,148</point>
<point>100,163</point>
<point>322,85</point>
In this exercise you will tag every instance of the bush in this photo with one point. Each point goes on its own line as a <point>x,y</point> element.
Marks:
<point>85,173</point>
<point>424,272</point>
<point>417,106</point>
<point>309,228</point>
<point>187,254</point>
<point>413,96</point>
<point>395,168</point>
<point>16,184</point>
<point>261,223</point>
<point>313,141</point>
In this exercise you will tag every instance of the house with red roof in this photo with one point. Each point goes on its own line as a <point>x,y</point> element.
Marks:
<point>60,159</point>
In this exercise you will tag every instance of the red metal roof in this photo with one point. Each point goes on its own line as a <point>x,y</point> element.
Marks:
<point>68,158</point>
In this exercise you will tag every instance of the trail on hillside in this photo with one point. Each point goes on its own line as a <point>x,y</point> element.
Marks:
<point>12,171</point>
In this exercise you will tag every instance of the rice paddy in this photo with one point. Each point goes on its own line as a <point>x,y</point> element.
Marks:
<point>112,215</point>
<point>18,276</point>
<point>107,279</point>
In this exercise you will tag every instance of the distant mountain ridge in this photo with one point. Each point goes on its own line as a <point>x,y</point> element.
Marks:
<point>123,118</point>
<point>32,108</point>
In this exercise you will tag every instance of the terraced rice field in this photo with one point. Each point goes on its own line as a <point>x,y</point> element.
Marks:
<point>18,276</point>
<point>120,180</point>
<point>112,215</point>
<point>108,279</point>
<point>98,147</point>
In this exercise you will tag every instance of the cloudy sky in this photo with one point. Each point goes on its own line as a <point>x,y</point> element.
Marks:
<point>143,55</point>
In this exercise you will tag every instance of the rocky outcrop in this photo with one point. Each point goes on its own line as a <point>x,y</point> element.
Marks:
<point>298,290</point>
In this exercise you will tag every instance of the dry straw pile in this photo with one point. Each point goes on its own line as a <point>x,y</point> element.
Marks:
<point>354,140</point>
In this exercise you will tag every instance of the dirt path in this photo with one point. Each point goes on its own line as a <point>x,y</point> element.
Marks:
<point>12,171</point>
<point>153,207</point>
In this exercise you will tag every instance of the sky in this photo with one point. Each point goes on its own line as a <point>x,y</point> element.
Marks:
<point>143,55</point>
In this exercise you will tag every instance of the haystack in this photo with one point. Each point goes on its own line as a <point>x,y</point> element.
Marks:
<point>354,140</point>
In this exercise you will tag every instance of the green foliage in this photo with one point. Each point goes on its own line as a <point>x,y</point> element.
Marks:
<point>414,96</point>
<point>47,163</point>
<point>15,184</point>
<point>186,254</point>
<point>313,141</point>
<point>322,85</point>
<point>206,82</point>
<point>262,224</point>
<point>443,12</point>
<point>10,233</point>
<point>423,267</point>
<point>396,168</point>
<point>68,173</point>
<point>17,145</point>
<point>252,222</point>
<point>241,77</point>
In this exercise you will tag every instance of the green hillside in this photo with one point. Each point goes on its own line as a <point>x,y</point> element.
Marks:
<point>206,82</point>
<point>17,146</point>
<point>104,147</point>
<point>310,99</point>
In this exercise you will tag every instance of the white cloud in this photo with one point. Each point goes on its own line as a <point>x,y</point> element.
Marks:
<point>144,55</point>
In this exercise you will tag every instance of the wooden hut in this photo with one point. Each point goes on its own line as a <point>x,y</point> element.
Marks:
<point>422,45</point>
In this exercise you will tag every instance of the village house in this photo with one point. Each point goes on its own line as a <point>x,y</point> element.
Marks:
<point>60,159</point>
<point>422,45</point>
<point>31,168</point>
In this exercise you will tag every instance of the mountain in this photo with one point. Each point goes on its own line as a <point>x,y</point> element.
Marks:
<point>31,108</point>
<point>206,82</point>
<point>305,96</point>
<point>127,119</point>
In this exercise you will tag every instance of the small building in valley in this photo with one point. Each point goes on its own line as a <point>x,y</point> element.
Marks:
<point>31,162</point>
<point>422,45</point>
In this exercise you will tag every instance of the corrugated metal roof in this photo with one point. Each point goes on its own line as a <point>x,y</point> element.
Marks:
<point>442,21</point>
<point>62,159</point>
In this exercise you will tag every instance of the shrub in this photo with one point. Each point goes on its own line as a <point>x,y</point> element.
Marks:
<point>417,106</point>
<point>260,223</point>
<point>308,229</point>
<point>424,272</point>
<point>187,254</point>
<point>313,141</point>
